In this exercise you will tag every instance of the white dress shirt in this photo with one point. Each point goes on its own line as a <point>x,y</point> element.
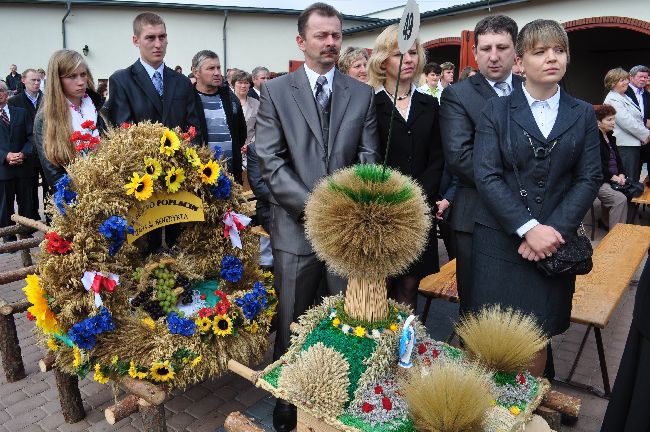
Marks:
<point>150,70</point>
<point>508,80</point>
<point>313,76</point>
<point>545,114</point>
<point>638,92</point>
<point>6,109</point>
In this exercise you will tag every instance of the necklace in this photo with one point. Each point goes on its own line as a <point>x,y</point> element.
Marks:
<point>399,98</point>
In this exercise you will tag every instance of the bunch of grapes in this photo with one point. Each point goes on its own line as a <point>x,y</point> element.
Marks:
<point>186,295</point>
<point>165,282</point>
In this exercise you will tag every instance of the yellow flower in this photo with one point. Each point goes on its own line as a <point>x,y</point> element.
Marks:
<point>174,178</point>
<point>393,327</point>
<point>196,361</point>
<point>192,157</point>
<point>161,371</point>
<point>209,172</point>
<point>253,327</point>
<point>359,331</point>
<point>114,360</point>
<point>77,358</point>
<point>133,372</point>
<point>203,324</point>
<point>141,186</point>
<point>45,318</point>
<point>336,322</point>
<point>222,325</point>
<point>51,344</point>
<point>515,410</point>
<point>99,376</point>
<point>152,167</point>
<point>169,143</point>
<point>149,322</point>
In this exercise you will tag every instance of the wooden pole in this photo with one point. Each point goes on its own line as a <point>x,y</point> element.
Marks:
<point>366,300</point>
<point>12,360</point>
<point>237,422</point>
<point>31,223</point>
<point>150,393</point>
<point>13,230</point>
<point>562,403</point>
<point>122,409</point>
<point>14,246</point>
<point>16,275</point>
<point>243,371</point>
<point>69,396</point>
<point>46,363</point>
<point>14,308</point>
<point>153,416</point>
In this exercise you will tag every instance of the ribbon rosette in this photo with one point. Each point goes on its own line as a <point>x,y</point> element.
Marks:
<point>234,223</point>
<point>97,282</point>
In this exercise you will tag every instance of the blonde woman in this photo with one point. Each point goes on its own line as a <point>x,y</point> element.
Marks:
<point>69,102</point>
<point>415,147</point>
<point>354,62</point>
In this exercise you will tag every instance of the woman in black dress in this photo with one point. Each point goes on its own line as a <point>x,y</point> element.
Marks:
<point>415,148</point>
<point>553,140</point>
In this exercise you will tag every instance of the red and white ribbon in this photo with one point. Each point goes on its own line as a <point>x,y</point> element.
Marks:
<point>97,282</point>
<point>234,223</point>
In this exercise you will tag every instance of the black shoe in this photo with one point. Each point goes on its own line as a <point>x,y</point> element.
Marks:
<point>285,416</point>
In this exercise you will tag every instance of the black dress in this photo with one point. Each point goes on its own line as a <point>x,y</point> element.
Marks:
<point>628,406</point>
<point>415,151</point>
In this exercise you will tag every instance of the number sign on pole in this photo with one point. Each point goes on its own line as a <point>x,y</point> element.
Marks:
<point>409,26</point>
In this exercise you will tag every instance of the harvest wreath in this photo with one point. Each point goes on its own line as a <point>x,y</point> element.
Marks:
<point>175,316</point>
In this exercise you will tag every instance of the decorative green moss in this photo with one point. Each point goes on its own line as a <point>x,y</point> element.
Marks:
<point>367,196</point>
<point>372,173</point>
<point>354,349</point>
<point>273,376</point>
<point>383,324</point>
<point>392,426</point>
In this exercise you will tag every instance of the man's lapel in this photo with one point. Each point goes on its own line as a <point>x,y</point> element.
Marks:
<point>482,86</point>
<point>340,99</point>
<point>304,98</point>
<point>170,81</point>
<point>523,116</point>
<point>142,79</point>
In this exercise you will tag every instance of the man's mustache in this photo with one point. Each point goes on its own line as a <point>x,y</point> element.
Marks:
<point>331,50</point>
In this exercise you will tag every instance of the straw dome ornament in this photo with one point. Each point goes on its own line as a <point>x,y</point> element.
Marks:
<point>367,222</point>
<point>105,304</point>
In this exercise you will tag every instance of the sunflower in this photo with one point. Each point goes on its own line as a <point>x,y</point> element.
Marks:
<point>141,186</point>
<point>169,143</point>
<point>45,318</point>
<point>51,344</point>
<point>99,376</point>
<point>222,325</point>
<point>77,358</point>
<point>203,324</point>
<point>253,327</point>
<point>134,373</point>
<point>174,178</point>
<point>209,172</point>
<point>149,323</point>
<point>152,167</point>
<point>161,371</point>
<point>196,361</point>
<point>192,157</point>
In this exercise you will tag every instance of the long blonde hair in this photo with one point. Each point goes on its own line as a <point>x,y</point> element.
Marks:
<point>58,122</point>
<point>385,44</point>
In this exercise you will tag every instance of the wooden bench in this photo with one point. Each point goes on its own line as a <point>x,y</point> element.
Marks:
<point>597,294</point>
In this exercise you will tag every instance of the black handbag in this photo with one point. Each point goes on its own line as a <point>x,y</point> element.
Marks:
<point>630,189</point>
<point>574,256</point>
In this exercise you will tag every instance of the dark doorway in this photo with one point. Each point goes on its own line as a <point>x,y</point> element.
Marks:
<point>595,51</point>
<point>445,53</point>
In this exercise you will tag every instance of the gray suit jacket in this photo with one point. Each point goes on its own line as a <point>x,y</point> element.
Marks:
<point>460,110</point>
<point>290,146</point>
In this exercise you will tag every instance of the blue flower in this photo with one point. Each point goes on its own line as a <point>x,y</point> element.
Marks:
<point>223,187</point>
<point>82,335</point>
<point>62,195</point>
<point>104,321</point>
<point>253,301</point>
<point>217,152</point>
<point>178,325</point>
<point>231,268</point>
<point>115,229</point>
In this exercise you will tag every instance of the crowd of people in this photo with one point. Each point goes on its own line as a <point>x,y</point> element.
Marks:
<point>508,160</point>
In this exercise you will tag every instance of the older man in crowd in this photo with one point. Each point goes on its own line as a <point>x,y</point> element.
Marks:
<point>260,74</point>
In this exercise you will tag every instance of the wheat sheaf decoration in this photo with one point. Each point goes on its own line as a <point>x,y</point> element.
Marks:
<point>503,340</point>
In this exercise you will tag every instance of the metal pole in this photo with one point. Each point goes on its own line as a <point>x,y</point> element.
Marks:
<point>224,64</point>
<point>68,5</point>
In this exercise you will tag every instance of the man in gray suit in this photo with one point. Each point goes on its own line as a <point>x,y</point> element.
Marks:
<point>310,123</point>
<point>460,109</point>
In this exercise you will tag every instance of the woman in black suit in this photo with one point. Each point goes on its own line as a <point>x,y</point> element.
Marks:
<point>415,148</point>
<point>553,139</point>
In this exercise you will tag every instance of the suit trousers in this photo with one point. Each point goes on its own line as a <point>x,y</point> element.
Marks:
<point>297,279</point>
<point>464,279</point>
<point>631,158</point>
<point>615,201</point>
<point>20,190</point>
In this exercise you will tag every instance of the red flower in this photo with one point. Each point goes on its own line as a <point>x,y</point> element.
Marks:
<point>386,403</point>
<point>75,137</point>
<point>426,361</point>
<point>186,137</point>
<point>379,390</point>
<point>422,349</point>
<point>222,308</point>
<point>205,312</point>
<point>367,407</point>
<point>192,131</point>
<point>435,353</point>
<point>202,297</point>
<point>88,124</point>
<point>30,316</point>
<point>521,378</point>
<point>56,243</point>
<point>125,125</point>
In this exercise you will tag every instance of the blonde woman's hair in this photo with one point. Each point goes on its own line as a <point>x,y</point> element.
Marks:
<point>349,56</point>
<point>385,44</point>
<point>58,123</point>
<point>547,32</point>
<point>613,76</point>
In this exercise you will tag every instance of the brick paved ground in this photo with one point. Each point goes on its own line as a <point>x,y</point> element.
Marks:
<point>32,405</point>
